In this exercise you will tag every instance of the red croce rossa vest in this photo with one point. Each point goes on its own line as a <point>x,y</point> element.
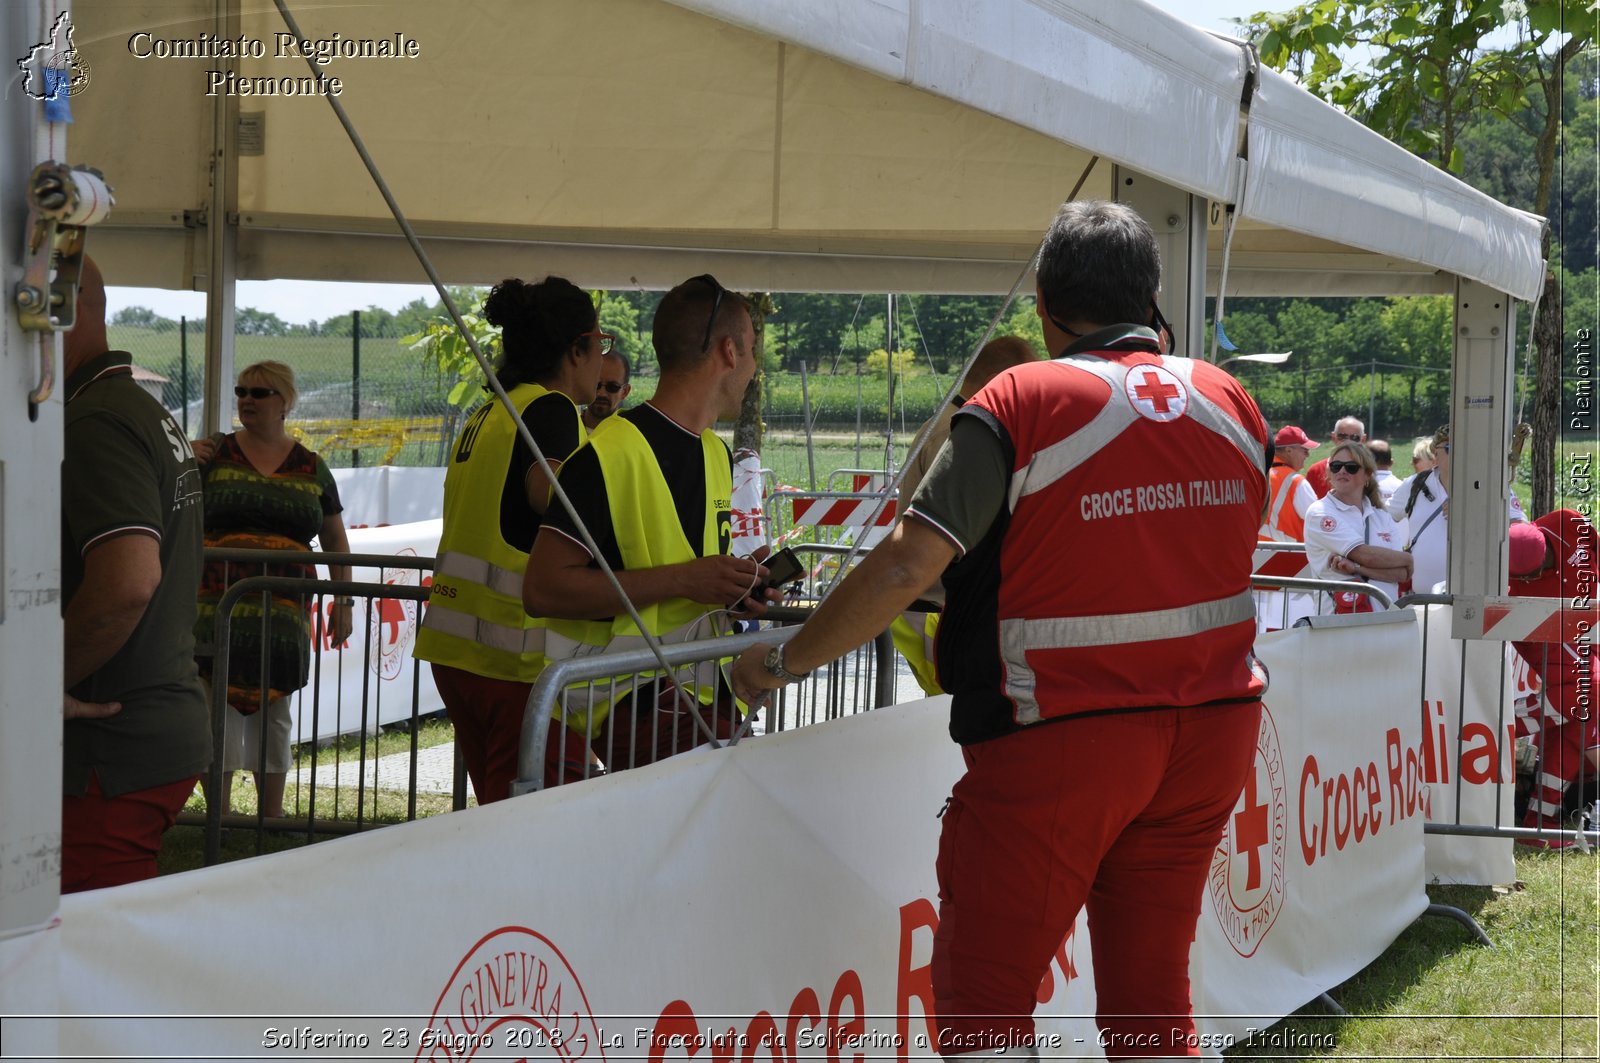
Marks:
<point>1118,577</point>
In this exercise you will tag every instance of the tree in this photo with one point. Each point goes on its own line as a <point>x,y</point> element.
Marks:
<point>1414,70</point>
<point>747,429</point>
<point>143,317</point>
<point>252,322</point>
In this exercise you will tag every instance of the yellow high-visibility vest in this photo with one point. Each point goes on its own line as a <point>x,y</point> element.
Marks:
<point>649,535</point>
<point>475,619</point>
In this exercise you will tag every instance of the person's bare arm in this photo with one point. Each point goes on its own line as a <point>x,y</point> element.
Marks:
<point>559,582</point>
<point>333,540</point>
<point>120,576</point>
<point>875,592</point>
<point>1380,562</point>
<point>537,485</point>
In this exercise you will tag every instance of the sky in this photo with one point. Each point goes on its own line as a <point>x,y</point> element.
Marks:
<point>298,302</point>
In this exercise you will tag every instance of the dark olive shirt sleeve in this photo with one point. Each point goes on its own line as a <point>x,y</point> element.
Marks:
<point>965,488</point>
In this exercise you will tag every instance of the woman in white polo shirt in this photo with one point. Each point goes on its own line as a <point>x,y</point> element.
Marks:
<point>1349,533</point>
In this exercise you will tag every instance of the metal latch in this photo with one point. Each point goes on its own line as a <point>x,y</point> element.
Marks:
<point>62,201</point>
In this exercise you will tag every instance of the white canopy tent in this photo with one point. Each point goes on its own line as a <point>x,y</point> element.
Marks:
<point>832,145</point>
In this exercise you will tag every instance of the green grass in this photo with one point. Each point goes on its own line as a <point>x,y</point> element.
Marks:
<point>1436,994</point>
<point>184,847</point>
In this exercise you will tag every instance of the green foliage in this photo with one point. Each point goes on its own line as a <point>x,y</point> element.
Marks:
<point>443,347</point>
<point>879,361</point>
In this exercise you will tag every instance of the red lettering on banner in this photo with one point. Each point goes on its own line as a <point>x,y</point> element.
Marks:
<point>1405,777</point>
<point>675,1027</point>
<point>847,988</point>
<point>914,983</point>
<point>1069,970</point>
<point>1349,810</point>
<point>805,1006</point>
<point>1435,754</point>
<point>1483,760</point>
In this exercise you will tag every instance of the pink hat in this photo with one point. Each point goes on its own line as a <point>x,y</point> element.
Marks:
<point>1527,549</point>
<point>1293,436</point>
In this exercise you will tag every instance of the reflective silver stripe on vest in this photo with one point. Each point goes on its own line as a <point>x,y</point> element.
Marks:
<point>1062,457</point>
<point>447,621</point>
<point>477,570</point>
<point>1019,636</point>
<point>1285,489</point>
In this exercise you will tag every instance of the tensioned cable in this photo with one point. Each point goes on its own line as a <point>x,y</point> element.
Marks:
<point>691,704</point>
<point>893,486</point>
<point>922,340</point>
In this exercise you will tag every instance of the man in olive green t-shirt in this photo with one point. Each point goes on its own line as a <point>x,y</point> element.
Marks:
<point>137,734</point>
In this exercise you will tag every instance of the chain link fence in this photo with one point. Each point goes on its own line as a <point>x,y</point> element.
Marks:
<point>364,399</point>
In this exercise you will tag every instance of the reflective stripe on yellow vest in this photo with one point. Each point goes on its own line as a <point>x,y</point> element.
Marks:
<point>475,620</point>
<point>644,518</point>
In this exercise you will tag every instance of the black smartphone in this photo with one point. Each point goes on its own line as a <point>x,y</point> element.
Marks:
<point>783,568</point>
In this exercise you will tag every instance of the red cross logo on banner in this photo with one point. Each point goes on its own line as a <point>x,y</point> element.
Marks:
<point>1156,393</point>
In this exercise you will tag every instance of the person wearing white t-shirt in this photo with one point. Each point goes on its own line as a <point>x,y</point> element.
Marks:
<point>1349,533</point>
<point>1384,458</point>
<point>1421,505</point>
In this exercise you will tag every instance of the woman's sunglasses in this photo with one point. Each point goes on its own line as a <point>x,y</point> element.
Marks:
<point>255,393</point>
<point>1351,467</point>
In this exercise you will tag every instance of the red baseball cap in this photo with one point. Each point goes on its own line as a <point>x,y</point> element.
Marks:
<point>1526,554</point>
<point>1293,436</point>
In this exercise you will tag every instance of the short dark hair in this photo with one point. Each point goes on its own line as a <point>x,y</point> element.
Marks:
<point>538,324</point>
<point>1381,452</point>
<point>1100,263</point>
<point>679,332</point>
<point>627,367</point>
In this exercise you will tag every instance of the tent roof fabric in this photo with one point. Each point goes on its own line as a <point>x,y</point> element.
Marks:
<point>835,145</point>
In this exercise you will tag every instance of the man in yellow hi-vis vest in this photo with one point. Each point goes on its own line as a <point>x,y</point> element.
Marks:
<point>653,488</point>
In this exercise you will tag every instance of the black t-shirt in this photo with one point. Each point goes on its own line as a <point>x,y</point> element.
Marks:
<point>552,420</point>
<point>679,453</point>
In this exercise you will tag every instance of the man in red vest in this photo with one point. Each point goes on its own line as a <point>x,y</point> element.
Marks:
<point>1289,495</point>
<point>1555,557</point>
<point>1094,519</point>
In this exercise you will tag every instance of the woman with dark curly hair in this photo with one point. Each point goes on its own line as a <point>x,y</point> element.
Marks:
<point>484,649</point>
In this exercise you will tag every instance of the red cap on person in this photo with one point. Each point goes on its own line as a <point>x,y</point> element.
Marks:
<point>1526,554</point>
<point>1293,436</point>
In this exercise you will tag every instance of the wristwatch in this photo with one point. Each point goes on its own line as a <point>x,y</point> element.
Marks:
<point>774,663</point>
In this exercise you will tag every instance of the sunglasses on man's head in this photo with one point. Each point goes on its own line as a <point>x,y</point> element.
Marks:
<point>716,304</point>
<point>606,385</point>
<point>1351,467</point>
<point>255,393</point>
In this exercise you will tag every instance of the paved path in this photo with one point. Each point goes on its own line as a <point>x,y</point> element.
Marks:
<point>435,770</point>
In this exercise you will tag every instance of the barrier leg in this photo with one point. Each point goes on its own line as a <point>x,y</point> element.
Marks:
<point>1446,911</point>
<point>1332,1004</point>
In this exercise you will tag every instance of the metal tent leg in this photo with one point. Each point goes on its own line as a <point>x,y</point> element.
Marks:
<point>1449,912</point>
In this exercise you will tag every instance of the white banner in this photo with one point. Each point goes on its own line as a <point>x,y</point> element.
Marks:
<point>1469,747</point>
<point>368,681</point>
<point>780,891</point>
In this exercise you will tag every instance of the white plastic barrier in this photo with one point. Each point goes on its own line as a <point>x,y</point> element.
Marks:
<point>378,653</point>
<point>781,890</point>
<point>1469,746</point>
<point>390,494</point>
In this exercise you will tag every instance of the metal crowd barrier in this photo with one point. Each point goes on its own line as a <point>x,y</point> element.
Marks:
<point>1283,601</point>
<point>1450,817</point>
<point>323,721</point>
<point>857,682</point>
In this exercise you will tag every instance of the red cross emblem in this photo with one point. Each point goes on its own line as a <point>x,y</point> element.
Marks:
<point>1156,393</point>
<point>1250,830</point>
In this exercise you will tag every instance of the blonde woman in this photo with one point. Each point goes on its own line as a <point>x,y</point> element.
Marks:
<point>1349,533</point>
<point>264,491</point>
